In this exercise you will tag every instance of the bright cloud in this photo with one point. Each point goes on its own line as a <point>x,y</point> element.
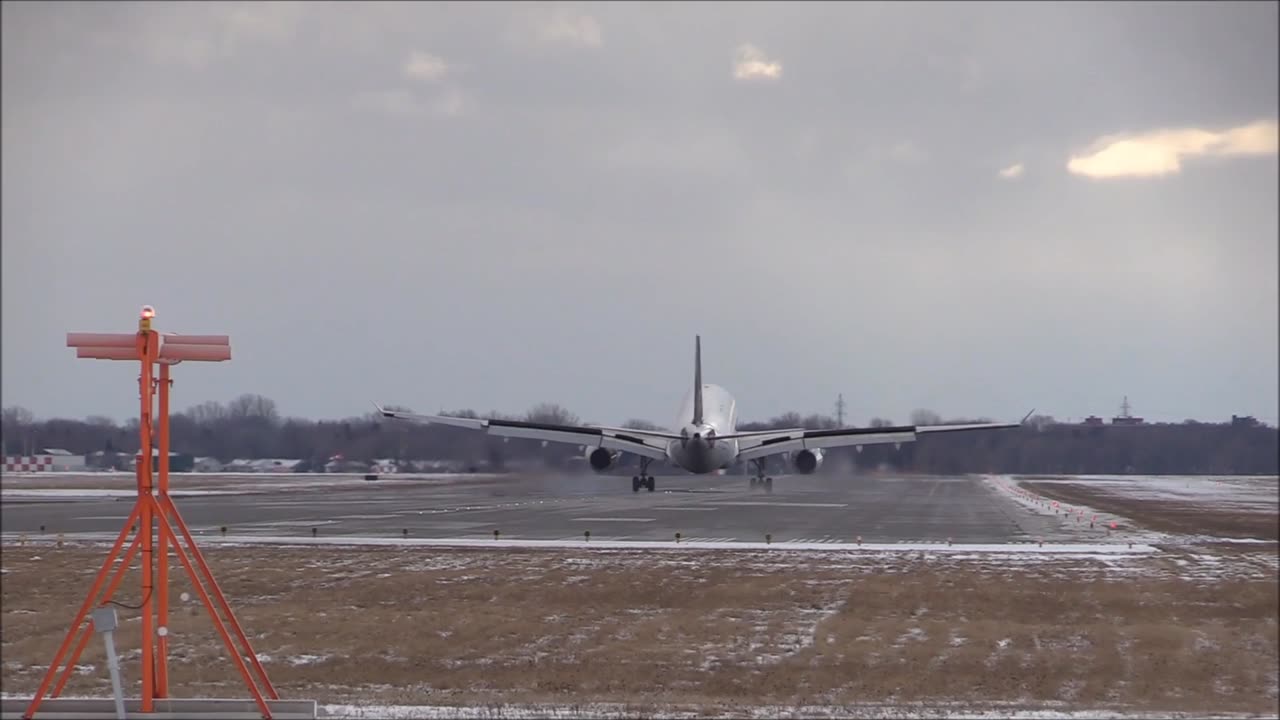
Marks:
<point>909,152</point>
<point>200,35</point>
<point>425,66</point>
<point>752,64</point>
<point>562,26</point>
<point>404,103</point>
<point>1012,172</point>
<point>1161,152</point>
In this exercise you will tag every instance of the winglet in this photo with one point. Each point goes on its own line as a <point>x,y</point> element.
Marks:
<point>1025,417</point>
<point>697,379</point>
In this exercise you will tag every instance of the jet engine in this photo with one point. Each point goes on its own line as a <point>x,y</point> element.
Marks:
<point>600,458</point>
<point>807,461</point>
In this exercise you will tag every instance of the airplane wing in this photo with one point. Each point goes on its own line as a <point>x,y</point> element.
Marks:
<point>757,445</point>
<point>641,433</point>
<point>644,443</point>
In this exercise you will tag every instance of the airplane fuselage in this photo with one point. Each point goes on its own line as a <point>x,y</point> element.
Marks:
<point>698,450</point>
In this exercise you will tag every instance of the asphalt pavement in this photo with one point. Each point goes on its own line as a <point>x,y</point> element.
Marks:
<point>814,508</point>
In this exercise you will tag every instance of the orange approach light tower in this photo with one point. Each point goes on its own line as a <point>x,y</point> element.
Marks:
<point>157,522</point>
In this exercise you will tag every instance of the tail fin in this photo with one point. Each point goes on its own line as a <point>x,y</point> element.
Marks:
<point>697,380</point>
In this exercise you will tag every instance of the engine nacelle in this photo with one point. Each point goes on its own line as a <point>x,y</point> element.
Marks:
<point>807,461</point>
<point>600,458</point>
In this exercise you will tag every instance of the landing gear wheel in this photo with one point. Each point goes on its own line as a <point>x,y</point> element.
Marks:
<point>650,483</point>
<point>768,486</point>
<point>635,484</point>
<point>754,482</point>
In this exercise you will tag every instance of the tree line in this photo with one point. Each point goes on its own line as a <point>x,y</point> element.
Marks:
<point>251,426</point>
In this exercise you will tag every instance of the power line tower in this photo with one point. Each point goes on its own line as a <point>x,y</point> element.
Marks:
<point>840,410</point>
<point>1125,407</point>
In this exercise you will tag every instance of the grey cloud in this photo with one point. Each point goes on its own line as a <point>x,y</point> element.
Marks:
<point>589,207</point>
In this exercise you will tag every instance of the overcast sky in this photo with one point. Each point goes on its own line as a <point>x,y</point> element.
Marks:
<point>972,208</point>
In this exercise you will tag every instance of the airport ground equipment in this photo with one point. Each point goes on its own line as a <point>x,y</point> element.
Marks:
<point>156,524</point>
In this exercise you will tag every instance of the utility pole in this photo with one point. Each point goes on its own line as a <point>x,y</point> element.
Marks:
<point>840,410</point>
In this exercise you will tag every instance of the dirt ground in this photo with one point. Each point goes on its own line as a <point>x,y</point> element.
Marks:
<point>1189,632</point>
<point>1169,516</point>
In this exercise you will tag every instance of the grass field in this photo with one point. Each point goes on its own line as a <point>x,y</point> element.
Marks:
<point>1228,515</point>
<point>1185,631</point>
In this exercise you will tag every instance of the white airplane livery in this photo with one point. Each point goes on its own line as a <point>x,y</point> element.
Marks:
<point>708,440</point>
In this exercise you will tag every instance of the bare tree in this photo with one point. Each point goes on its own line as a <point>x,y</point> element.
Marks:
<point>880,422</point>
<point>925,417</point>
<point>252,405</point>
<point>16,416</point>
<point>207,413</point>
<point>551,414</point>
<point>635,424</point>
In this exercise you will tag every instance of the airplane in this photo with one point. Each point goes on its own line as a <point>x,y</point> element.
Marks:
<point>708,441</point>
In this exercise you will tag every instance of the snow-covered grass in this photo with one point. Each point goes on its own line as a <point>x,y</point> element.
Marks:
<point>1152,510</point>
<point>1239,492</point>
<point>951,711</point>
<point>511,631</point>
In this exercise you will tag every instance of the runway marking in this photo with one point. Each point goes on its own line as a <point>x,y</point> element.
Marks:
<point>614,519</point>
<point>685,509</point>
<point>368,517</point>
<point>783,504</point>
<point>292,523</point>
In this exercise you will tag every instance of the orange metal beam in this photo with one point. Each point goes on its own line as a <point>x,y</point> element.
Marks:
<point>207,353</point>
<point>217,620</point>
<point>172,511</point>
<point>85,634</point>
<point>148,340</point>
<point>162,580</point>
<point>84,610</point>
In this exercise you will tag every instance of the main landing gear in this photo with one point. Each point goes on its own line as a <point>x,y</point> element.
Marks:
<point>760,481</point>
<point>642,480</point>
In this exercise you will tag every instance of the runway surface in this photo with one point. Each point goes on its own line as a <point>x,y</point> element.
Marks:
<point>809,509</point>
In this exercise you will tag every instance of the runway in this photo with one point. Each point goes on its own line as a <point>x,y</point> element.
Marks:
<point>802,509</point>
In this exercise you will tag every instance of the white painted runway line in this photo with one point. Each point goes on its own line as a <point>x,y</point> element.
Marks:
<point>613,519</point>
<point>781,503</point>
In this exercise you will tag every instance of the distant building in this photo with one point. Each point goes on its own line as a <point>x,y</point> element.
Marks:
<point>48,460</point>
<point>1093,420</point>
<point>207,465</point>
<point>1243,421</point>
<point>384,466</point>
<point>178,462</point>
<point>274,465</point>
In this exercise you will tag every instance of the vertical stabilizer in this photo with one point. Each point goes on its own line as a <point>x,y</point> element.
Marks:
<point>697,380</point>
